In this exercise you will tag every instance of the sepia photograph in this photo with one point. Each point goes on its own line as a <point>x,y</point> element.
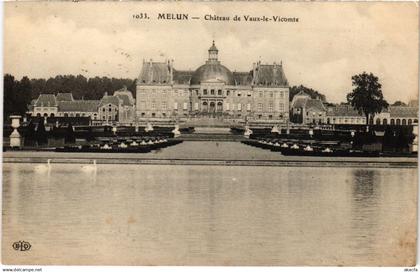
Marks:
<point>210,134</point>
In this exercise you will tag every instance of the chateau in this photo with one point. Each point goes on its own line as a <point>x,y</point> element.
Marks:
<point>212,90</point>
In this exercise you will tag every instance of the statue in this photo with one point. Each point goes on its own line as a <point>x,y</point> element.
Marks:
<point>176,131</point>
<point>247,132</point>
<point>148,127</point>
<point>15,138</point>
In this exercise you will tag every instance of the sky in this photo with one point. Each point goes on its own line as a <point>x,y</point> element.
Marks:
<point>330,43</point>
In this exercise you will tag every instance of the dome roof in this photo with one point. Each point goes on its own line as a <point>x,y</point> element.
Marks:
<point>212,71</point>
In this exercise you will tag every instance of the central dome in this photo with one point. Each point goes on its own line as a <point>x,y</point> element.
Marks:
<point>212,71</point>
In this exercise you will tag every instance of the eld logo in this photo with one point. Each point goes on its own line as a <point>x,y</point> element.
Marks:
<point>21,245</point>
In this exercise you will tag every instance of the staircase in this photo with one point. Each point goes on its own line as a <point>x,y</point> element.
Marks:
<point>220,134</point>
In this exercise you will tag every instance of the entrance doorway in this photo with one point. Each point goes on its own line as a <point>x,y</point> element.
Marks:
<point>212,107</point>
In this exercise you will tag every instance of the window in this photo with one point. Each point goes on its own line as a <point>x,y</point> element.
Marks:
<point>281,94</point>
<point>175,106</point>
<point>271,94</point>
<point>281,106</point>
<point>196,106</point>
<point>143,114</point>
<point>239,106</point>
<point>249,94</point>
<point>196,92</point>
<point>239,94</point>
<point>219,92</point>
<point>227,106</point>
<point>153,114</point>
<point>260,93</point>
<point>142,104</point>
<point>212,91</point>
<point>164,92</point>
<point>185,106</point>
<point>164,114</point>
<point>153,105</point>
<point>228,92</point>
<point>248,107</point>
<point>186,92</point>
<point>163,105</point>
<point>205,92</point>
<point>270,117</point>
<point>270,107</point>
<point>260,107</point>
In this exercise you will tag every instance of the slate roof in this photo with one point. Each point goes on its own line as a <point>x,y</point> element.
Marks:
<point>64,97</point>
<point>46,100</point>
<point>403,111</point>
<point>125,96</point>
<point>242,78</point>
<point>78,106</point>
<point>314,104</point>
<point>182,77</point>
<point>270,75</point>
<point>300,103</point>
<point>109,100</point>
<point>343,110</point>
<point>154,73</point>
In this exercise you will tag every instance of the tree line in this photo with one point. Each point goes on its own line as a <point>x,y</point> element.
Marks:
<point>366,97</point>
<point>19,93</point>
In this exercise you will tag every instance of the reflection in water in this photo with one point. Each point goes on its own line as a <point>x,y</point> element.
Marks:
<point>201,215</point>
<point>364,209</point>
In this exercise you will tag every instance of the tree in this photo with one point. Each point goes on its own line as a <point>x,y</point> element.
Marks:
<point>311,92</point>
<point>41,134</point>
<point>399,103</point>
<point>367,97</point>
<point>69,136</point>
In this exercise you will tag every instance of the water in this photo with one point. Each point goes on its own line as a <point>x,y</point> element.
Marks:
<point>209,215</point>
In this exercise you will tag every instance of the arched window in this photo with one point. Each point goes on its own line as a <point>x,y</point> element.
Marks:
<point>410,121</point>
<point>38,115</point>
<point>328,121</point>
<point>205,106</point>
<point>77,115</point>
<point>385,121</point>
<point>404,122</point>
<point>378,121</point>
<point>66,115</point>
<point>52,115</point>
<point>392,122</point>
<point>398,122</point>
<point>45,114</point>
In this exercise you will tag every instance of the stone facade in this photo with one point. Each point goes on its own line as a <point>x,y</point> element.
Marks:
<point>164,93</point>
<point>118,108</point>
<point>305,110</point>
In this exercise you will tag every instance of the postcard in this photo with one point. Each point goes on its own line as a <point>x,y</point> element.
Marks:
<point>210,133</point>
